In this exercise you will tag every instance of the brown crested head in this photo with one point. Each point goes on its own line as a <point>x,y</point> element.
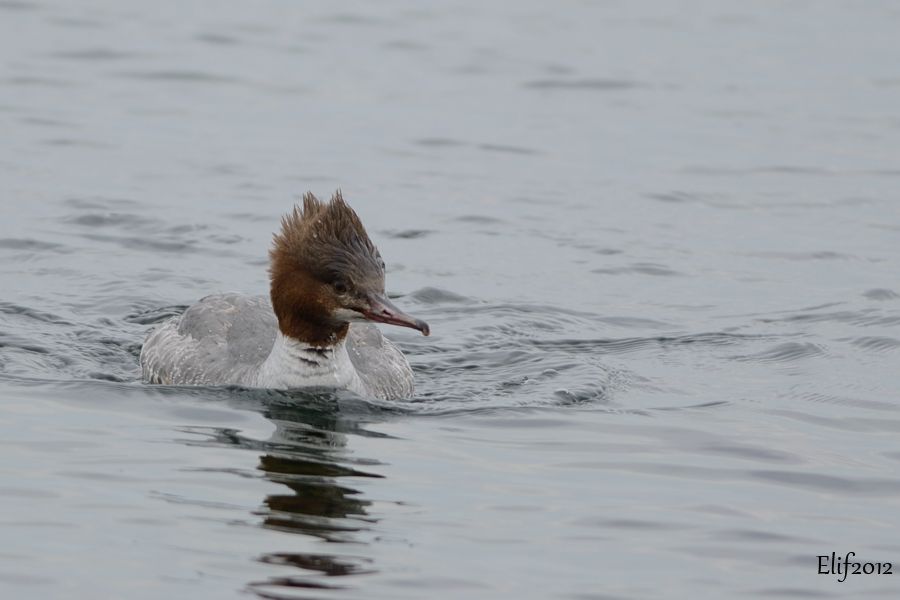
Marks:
<point>326,272</point>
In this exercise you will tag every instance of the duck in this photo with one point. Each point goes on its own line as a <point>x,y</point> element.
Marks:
<point>315,329</point>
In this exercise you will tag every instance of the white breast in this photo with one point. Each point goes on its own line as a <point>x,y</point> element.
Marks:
<point>292,364</point>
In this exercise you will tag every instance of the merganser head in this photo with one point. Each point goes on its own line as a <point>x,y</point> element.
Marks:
<point>326,272</point>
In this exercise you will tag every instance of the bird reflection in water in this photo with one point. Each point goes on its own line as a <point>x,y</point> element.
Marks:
<point>307,454</point>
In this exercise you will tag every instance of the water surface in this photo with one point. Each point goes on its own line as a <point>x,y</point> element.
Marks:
<point>657,246</point>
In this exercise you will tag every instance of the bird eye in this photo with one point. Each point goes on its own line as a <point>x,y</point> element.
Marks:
<point>340,287</point>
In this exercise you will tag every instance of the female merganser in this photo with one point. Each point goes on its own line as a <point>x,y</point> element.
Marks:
<point>326,276</point>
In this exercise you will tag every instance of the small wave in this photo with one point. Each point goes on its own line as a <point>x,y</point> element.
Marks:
<point>438,142</point>
<point>818,255</point>
<point>146,244</point>
<point>30,245</point>
<point>590,85</point>
<point>176,76</point>
<point>19,343</point>
<point>9,308</point>
<point>99,202</point>
<point>407,234</point>
<point>112,219</point>
<point>786,352</point>
<point>635,322</point>
<point>868,317</point>
<point>625,345</point>
<point>854,402</point>
<point>433,295</point>
<point>34,81</point>
<point>479,220</point>
<point>881,294</point>
<point>877,344</point>
<point>217,39</point>
<point>831,483</point>
<point>18,5</point>
<point>507,149</point>
<point>155,315</point>
<point>73,142</point>
<point>682,197</point>
<point>639,269</point>
<point>95,55</point>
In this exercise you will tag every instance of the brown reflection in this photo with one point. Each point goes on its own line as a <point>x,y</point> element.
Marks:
<point>329,565</point>
<point>307,455</point>
<point>317,499</point>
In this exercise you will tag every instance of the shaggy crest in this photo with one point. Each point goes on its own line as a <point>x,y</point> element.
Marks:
<point>329,241</point>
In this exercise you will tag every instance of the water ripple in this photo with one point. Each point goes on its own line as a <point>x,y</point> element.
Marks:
<point>877,343</point>
<point>30,245</point>
<point>590,85</point>
<point>865,317</point>
<point>9,308</point>
<point>832,483</point>
<point>785,352</point>
<point>639,269</point>
<point>881,294</point>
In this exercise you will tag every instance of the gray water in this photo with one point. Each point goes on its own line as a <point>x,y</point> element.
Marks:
<point>657,244</point>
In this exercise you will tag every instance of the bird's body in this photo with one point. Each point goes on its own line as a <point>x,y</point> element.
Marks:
<point>232,339</point>
<point>327,278</point>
